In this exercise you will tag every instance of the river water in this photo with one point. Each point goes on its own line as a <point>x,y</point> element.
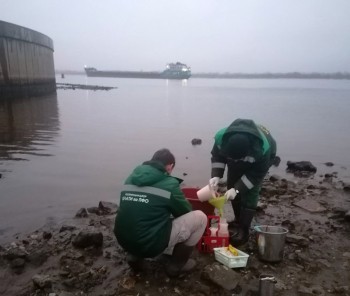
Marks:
<point>71,150</point>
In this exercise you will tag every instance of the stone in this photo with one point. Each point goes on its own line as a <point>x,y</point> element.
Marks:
<point>310,205</point>
<point>303,174</point>
<point>47,235</point>
<point>15,253</point>
<point>106,222</point>
<point>252,287</point>
<point>306,166</point>
<point>346,187</point>
<point>274,178</point>
<point>64,293</point>
<point>94,210</point>
<point>268,190</point>
<point>196,141</point>
<point>276,162</point>
<point>18,263</point>
<point>108,208</point>
<point>221,275</point>
<point>73,267</point>
<point>347,216</point>
<point>64,237</point>
<point>346,255</point>
<point>313,290</point>
<point>38,257</point>
<point>67,228</point>
<point>286,196</point>
<point>88,238</point>
<point>324,262</point>
<point>261,206</point>
<point>296,239</point>
<point>42,281</point>
<point>343,290</point>
<point>82,213</point>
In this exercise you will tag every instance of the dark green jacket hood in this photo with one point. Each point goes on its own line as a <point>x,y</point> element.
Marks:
<point>149,173</point>
<point>259,143</point>
<point>244,126</point>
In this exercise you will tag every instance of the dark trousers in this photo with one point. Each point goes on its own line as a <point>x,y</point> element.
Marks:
<point>248,199</point>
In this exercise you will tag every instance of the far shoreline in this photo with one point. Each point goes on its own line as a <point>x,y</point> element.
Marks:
<point>265,75</point>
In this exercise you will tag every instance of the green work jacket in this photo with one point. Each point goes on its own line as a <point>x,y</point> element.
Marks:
<point>149,201</point>
<point>248,172</point>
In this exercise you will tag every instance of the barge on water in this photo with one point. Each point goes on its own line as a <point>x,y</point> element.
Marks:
<point>173,71</point>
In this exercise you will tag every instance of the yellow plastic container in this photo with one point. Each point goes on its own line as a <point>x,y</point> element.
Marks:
<point>218,203</point>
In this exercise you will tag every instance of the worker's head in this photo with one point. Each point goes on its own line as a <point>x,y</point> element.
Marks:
<point>237,146</point>
<point>165,157</point>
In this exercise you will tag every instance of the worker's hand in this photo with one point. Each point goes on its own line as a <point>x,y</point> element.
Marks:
<point>231,194</point>
<point>214,182</point>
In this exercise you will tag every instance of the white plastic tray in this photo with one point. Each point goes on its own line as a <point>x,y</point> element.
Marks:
<point>228,259</point>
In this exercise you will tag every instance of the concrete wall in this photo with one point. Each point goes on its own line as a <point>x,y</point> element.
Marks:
<point>26,62</point>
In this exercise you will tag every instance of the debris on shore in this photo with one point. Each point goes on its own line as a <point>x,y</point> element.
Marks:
<point>196,141</point>
<point>82,256</point>
<point>66,86</point>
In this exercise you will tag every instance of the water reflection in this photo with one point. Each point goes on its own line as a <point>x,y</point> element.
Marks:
<point>27,126</point>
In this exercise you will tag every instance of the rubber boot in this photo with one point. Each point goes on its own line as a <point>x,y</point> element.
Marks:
<point>135,263</point>
<point>179,261</point>
<point>242,235</point>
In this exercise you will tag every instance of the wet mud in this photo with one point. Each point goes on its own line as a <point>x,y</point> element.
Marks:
<point>82,256</point>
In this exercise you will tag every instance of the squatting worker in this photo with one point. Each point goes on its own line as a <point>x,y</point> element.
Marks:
<point>248,150</point>
<point>155,217</point>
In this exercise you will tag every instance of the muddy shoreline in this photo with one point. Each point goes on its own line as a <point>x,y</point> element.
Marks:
<point>82,257</point>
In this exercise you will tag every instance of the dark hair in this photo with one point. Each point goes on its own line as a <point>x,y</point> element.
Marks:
<point>164,156</point>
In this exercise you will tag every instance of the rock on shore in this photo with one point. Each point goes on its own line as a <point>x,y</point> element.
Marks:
<point>82,257</point>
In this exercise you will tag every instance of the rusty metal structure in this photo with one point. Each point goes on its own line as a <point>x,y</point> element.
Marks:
<point>26,62</point>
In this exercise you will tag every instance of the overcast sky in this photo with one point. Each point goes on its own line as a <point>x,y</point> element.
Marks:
<point>209,36</point>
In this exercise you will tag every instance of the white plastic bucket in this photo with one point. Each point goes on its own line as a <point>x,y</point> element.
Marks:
<point>205,193</point>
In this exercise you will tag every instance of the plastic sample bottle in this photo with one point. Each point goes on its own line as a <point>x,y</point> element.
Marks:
<point>213,231</point>
<point>223,228</point>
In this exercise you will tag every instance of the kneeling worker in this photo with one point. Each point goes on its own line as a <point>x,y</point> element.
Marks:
<point>154,217</point>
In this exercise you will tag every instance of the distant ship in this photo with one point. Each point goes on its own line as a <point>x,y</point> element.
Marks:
<point>173,71</point>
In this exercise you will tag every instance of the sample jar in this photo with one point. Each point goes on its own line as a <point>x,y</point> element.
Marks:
<point>213,231</point>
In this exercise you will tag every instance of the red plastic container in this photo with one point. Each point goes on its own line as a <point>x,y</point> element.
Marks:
<point>207,243</point>
<point>191,196</point>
